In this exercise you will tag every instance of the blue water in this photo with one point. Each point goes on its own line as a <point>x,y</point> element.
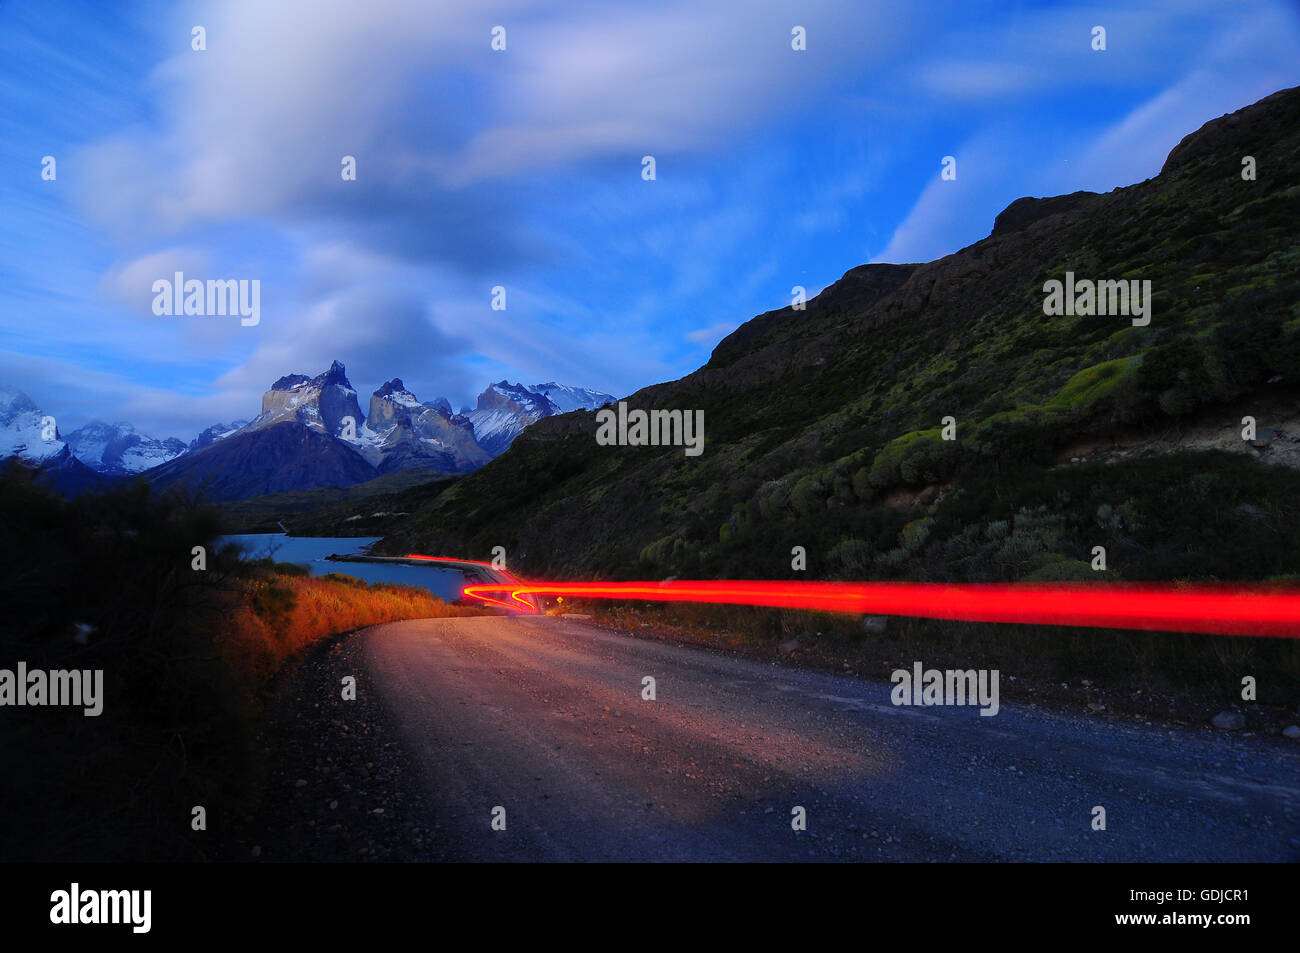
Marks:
<point>310,551</point>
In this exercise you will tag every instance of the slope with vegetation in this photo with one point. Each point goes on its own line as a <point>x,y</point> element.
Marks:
<point>823,426</point>
<point>363,509</point>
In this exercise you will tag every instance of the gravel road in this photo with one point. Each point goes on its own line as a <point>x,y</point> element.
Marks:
<point>544,717</point>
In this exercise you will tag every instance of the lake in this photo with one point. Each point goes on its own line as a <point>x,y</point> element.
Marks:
<point>310,551</point>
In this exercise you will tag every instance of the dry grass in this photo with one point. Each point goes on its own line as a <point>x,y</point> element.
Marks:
<point>273,617</point>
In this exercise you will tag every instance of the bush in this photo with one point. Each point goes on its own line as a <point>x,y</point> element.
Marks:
<point>1026,434</point>
<point>1092,384</point>
<point>915,534</point>
<point>1177,374</point>
<point>921,456</point>
<point>851,556</point>
<point>807,495</point>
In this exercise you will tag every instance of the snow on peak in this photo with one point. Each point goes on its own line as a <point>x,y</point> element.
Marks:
<point>324,403</point>
<point>119,449</point>
<point>396,391</point>
<point>568,398</point>
<point>13,402</point>
<point>505,409</point>
<point>211,435</point>
<point>25,432</point>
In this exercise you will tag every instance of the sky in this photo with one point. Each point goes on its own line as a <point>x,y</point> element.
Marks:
<point>522,168</point>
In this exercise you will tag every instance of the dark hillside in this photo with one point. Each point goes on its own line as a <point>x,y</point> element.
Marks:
<point>823,426</point>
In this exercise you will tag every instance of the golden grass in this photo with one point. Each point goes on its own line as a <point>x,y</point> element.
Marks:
<point>272,618</point>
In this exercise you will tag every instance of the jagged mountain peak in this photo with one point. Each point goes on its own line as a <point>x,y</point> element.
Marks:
<point>398,392</point>
<point>505,409</point>
<point>14,402</point>
<point>290,381</point>
<point>502,392</point>
<point>324,403</point>
<point>336,374</point>
<point>23,430</point>
<point>212,434</point>
<point>403,432</point>
<point>567,398</point>
<point>118,449</point>
<point>311,432</point>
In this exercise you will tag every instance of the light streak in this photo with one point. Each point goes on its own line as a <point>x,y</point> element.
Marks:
<point>1209,609</point>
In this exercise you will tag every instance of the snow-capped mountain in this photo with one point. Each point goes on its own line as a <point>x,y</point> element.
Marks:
<point>114,449</point>
<point>25,431</point>
<point>572,398</point>
<point>310,433</point>
<point>401,433</point>
<point>118,450</point>
<point>323,403</point>
<point>216,432</point>
<point>505,409</point>
<point>31,436</point>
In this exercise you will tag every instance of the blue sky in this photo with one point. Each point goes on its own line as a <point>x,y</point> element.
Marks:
<point>522,168</point>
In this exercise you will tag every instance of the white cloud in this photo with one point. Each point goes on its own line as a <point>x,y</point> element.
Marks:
<point>76,395</point>
<point>131,282</point>
<point>712,334</point>
<point>951,214</point>
<point>1005,161</point>
<point>259,121</point>
<point>377,334</point>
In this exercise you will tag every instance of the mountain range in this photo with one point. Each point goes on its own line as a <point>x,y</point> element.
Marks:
<point>29,435</point>
<point>505,409</point>
<point>311,432</point>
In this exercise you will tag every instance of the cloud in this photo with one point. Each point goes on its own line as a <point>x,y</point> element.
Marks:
<point>378,334</point>
<point>131,283</point>
<point>75,395</point>
<point>977,80</point>
<point>712,334</point>
<point>1030,52</point>
<point>458,150</point>
<point>257,124</point>
<point>522,168</point>
<point>1007,159</point>
<point>953,213</point>
<point>1136,146</point>
<point>552,337</point>
<point>663,80</point>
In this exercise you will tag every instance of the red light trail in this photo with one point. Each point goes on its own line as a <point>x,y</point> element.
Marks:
<point>1219,610</point>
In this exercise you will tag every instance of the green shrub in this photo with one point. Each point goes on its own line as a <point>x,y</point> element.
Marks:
<point>915,533</point>
<point>808,495</point>
<point>921,456</point>
<point>1093,383</point>
<point>1027,433</point>
<point>853,556</point>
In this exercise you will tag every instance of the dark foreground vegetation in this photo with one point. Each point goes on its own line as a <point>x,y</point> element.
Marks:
<point>106,581</point>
